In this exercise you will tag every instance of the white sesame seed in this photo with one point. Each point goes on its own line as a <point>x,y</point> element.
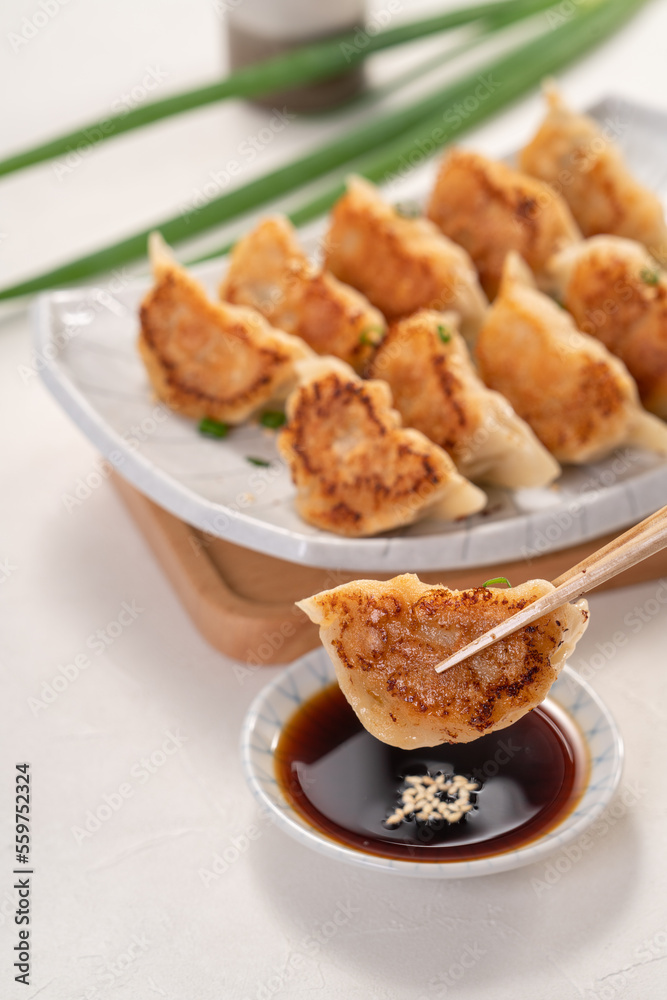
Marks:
<point>455,816</point>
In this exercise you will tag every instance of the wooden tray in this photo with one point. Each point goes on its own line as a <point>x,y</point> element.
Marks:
<point>242,601</point>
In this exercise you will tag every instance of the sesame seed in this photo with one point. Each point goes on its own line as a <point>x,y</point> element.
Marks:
<point>423,799</point>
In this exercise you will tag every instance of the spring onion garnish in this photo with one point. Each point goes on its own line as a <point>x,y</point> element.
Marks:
<point>648,276</point>
<point>272,418</point>
<point>407,209</point>
<point>371,335</point>
<point>444,334</point>
<point>387,140</point>
<point>307,64</point>
<point>497,581</point>
<point>213,428</point>
<point>262,462</point>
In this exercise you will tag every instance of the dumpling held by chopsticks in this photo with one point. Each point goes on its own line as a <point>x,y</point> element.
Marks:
<point>386,638</point>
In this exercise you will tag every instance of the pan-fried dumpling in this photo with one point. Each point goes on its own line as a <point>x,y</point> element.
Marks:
<point>579,399</point>
<point>206,359</point>
<point>616,293</point>
<point>385,639</point>
<point>356,470</point>
<point>269,271</point>
<point>491,209</point>
<point>437,390</point>
<point>401,264</point>
<point>580,160</point>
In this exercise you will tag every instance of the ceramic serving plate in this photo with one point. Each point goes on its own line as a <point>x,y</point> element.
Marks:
<point>276,704</point>
<point>85,342</point>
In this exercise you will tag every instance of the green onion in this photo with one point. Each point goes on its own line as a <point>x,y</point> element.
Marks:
<point>262,462</point>
<point>399,135</point>
<point>523,68</point>
<point>648,276</point>
<point>272,418</point>
<point>444,334</point>
<point>306,64</point>
<point>407,209</point>
<point>371,335</point>
<point>497,581</point>
<point>213,428</point>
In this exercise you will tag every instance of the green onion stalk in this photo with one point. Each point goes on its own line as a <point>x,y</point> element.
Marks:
<point>307,64</point>
<point>381,149</point>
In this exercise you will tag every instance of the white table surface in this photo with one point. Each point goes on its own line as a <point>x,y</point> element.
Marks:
<point>125,912</point>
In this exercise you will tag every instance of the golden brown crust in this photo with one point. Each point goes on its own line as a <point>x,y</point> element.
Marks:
<point>210,360</point>
<point>425,377</point>
<point>400,264</point>
<point>356,470</point>
<point>579,400</point>
<point>491,209</point>
<point>436,390</point>
<point>617,294</point>
<point>269,272</point>
<point>385,639</point>
<point>581,161</point>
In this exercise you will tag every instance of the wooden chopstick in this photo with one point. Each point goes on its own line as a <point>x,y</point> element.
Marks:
<point>634,545</point>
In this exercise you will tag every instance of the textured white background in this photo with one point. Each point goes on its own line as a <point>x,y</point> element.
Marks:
<point>125,913</point>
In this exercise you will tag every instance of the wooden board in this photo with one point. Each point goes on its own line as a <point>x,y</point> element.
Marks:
<point>242,601</point>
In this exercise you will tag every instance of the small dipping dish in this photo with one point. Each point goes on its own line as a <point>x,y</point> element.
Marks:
<point>330,785</point>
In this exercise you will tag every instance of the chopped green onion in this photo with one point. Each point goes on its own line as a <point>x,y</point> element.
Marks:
<point>307,64</point>
<point>407,209</point>
<point>393,138</point>
<point>649,277</point>
<point>497,581</point>
<point>444,333</point>
<point>262,462</point>
<point>272,418</point>
<point>371,335</point>
<point>213,428</point>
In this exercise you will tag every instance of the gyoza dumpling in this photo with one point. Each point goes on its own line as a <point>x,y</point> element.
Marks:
<point>580,160</point>
<point>400,264</point>
<point>385,639</point>
<point>269,271</point>
<point>579,399</point>
<point>491,209</point>
<point>616,293</point>
<point>206,359</point>
<point>356,470</point>
<point>436,389</point>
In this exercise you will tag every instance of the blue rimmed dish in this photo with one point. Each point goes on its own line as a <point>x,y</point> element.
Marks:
<point>276,704</point>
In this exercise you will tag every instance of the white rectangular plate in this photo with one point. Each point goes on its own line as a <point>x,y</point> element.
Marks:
<point>86,341</point>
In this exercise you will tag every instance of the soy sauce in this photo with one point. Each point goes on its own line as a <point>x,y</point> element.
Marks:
<point>345,782</point>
